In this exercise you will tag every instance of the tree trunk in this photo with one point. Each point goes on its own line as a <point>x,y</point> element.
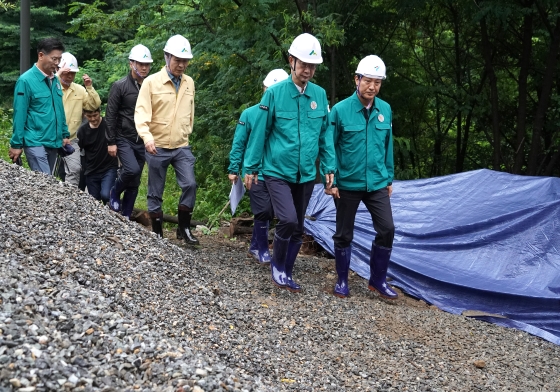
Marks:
<point>487,55</point>
<point>526,48</point>
<point>458,84</point>
<point>544,100</point>
<point>333,76</point>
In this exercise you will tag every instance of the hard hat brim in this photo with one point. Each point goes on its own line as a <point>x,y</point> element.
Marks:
<point>141,61</point>
<point>372,76</point>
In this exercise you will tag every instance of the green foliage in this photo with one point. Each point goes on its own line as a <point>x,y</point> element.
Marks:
<point>438,81</point>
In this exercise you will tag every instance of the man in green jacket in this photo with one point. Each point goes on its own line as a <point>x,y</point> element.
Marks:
<point>290,132</point>
<point>258,194</point>
<point>39,126</point>
<point>361,126</point>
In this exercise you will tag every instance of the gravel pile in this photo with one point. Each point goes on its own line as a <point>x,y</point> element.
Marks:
<point>89,301</point>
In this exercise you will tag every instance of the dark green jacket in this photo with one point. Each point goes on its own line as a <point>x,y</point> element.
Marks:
<point>364,148</point>
<point>240,139</point>
<point>290,131</point>
<point>39,118</point>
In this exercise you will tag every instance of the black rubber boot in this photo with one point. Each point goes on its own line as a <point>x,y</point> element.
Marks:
<point>184,229</point>
<point>157,223</point>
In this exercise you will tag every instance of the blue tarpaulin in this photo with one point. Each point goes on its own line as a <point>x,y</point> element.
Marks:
<point>479,241</point>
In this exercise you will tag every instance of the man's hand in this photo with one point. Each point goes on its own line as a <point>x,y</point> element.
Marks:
<point>112,150</point>
<point>390,189</point>
<point>87,80</point>
<point>14,153</point>
<point>65,142</point>
<point>330,179</point>
<point>333,192</point>
<point>61,69</point>
<point>250,179</point>
<point>151,147</point>
<point>232,178</point>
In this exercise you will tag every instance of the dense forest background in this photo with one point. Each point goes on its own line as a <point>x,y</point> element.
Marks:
<point>473,84</point>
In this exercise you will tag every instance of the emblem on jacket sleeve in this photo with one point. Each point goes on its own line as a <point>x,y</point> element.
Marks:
<point>313,105</point>
<point>381,118</point>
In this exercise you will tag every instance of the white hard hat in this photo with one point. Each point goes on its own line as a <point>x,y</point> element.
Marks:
<point>306,48</point>
<point>68,60</point>
<point>141,54</point>
<point>275,76</point>
<point>371,67</point>
<point>179,47</point>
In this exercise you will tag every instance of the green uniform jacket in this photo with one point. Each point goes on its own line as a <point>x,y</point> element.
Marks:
<point>290,130</point>
<point>240,138</point>
<point>39,118</point>
<point>364,149</point>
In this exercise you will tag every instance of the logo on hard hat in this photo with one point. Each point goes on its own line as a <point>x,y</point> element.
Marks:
<point>313,53</point>
<point>145,56</point>
<point>377,67</point>
<point>71,65</point>
<point>184,50</point>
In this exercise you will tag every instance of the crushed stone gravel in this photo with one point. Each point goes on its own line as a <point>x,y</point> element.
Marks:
<point>90,301</point>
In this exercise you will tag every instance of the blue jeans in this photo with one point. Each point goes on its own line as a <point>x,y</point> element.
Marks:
<point>99,184</point>
<point>41,159</point>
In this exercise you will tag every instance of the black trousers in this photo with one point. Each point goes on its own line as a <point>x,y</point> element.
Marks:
<point>290,202</point>
<point>260,201</point>
<point>132,157</point>
<point>378,204</point>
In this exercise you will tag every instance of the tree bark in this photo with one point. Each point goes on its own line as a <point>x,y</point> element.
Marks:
<point>458,84</point>
<point>487,55</point>
<point>544,100</point>
<point>333,76</point>
<point>524,62</point>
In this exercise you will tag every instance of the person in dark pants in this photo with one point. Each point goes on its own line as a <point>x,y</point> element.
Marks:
<point>164,119</point>
<point>122,138</point>
<point>362,130</point>
<point>100,167</point>
<point>290,131</point>
<point>258,194</point>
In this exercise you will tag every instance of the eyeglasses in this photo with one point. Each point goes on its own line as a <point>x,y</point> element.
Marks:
<point>53,59</point>
<point>311,67</point>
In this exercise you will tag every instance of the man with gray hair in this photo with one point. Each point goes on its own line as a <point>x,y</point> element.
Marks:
<point>164,120</point>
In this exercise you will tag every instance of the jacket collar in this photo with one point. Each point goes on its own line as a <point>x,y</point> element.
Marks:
<point>294,92</point>
<point>164,77</point>
<point>39,74</point>
<point>357,105</point>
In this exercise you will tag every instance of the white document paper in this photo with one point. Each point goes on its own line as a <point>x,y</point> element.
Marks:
<point>235,195</point>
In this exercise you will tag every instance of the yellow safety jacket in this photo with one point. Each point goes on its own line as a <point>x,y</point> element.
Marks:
<point>164,114</point>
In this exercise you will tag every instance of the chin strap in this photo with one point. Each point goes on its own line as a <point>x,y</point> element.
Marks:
<point>136,71</point>
<point>358,90</point>
<point>294,67</point>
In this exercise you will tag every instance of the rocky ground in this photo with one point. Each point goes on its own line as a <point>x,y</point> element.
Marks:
<point>89,301</point>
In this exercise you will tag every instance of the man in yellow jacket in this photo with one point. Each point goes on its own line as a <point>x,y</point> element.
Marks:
<point>75,99</point>
<point>164,119</point>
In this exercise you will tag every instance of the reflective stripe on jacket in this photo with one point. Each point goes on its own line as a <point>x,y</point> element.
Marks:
<point>163,114</point>
<point>364,149</point>
<point>290,131</point>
